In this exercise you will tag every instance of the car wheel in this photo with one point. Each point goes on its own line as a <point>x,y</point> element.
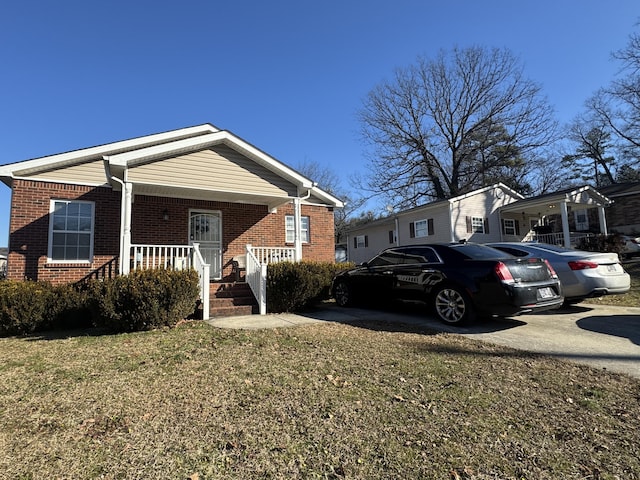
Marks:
<point>453,306</point>
<point>342,293</point>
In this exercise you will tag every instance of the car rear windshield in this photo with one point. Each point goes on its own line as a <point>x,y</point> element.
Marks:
<point>479,252</point>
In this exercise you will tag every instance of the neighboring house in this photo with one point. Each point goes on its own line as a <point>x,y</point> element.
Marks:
<point>472,217</point>
<point>624,215</point>
<point>170,198</point>
<point>490,214</point>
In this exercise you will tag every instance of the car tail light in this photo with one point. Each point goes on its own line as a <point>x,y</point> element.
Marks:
<point>582,265</point>
<point>503,273</point>
<point>551,270</point>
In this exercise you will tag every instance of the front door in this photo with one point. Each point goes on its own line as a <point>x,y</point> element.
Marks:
<point>205,228</point>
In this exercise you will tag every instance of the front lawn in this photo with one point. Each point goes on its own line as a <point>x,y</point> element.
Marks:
<point>319,401</point>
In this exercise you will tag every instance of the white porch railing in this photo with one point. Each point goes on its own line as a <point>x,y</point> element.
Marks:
<point>256,269</point>
<point>555,238</point>
<point>256,276</point>
<point>144,257</point>
<point>203,271</point>
<point>190,256</point>
<point>267,255</point>
<point>177,257</point>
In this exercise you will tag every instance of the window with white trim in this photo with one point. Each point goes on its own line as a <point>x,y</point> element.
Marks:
<point>477,224</point>
<point>421,228</point>
<point>509,226</point>
<point>290,229</point>
<point>360,241</point>
<point>71,231</point>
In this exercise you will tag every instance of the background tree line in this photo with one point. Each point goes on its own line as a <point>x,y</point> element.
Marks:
<point>469,117</point>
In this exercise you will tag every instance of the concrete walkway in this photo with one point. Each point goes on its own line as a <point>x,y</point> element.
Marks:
<point>600,336</point>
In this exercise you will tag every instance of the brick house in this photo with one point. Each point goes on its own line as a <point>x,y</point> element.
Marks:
<point>197,196</point>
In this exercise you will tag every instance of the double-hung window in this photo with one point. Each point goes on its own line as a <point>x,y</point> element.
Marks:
<point>71,231</point>
<point>290,229</point>
<point>509,226</point>
<point>477,225</point>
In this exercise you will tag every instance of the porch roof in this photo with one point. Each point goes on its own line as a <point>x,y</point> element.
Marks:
<point>584,197</point>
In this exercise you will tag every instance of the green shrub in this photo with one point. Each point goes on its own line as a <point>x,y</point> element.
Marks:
<point>295,286</point>
<point>26,307</point>
<point>144,299</point>
<point>69,308</point>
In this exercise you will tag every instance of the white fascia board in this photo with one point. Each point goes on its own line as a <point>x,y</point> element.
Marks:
<point>204,141</point>
<point>102,150</point>
<point>592,192</point>
<point>327,197</point>
<point>486,189</point>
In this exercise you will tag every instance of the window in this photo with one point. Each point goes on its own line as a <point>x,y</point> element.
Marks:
<point>290,229</point>
<point>582,220</point>
<point>509,226</point>
<point>392,236</point>
<point>477,224</point>
<point>421,228</point>
<point>360,241</point>
<point>71,231</point>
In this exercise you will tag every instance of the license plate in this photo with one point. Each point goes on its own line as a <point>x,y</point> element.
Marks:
<point>545,292</point>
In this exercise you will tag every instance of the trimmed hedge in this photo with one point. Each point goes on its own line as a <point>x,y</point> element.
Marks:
<point>294,286</point>
<point>27,307</point>
<point>142,300</point>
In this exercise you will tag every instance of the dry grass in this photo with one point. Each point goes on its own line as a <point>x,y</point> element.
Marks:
<point>320,401</point>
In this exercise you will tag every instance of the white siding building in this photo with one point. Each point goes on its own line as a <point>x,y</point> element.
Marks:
<point>472,217</point>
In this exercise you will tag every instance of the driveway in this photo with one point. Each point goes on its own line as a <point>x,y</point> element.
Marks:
<point>600,336</point>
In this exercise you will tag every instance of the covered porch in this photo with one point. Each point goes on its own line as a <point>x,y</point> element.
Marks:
<point>559,218</point>
<point>214,203</point>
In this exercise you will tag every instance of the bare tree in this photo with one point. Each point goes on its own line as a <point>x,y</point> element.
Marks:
<point>329,181</point>
<point>590,161</point>
<point>618,105</point>
<point>432,127</point>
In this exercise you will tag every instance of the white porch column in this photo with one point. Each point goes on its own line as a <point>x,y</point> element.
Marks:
<point>565,224</point>
<point>297,222</point>
<point>125,247</point>
<point>603,221</point>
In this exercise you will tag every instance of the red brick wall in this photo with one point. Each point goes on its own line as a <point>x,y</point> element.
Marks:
<point>29,230</point>
<point>241,224</point>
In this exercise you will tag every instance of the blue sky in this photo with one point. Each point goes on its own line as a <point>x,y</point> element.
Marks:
<point>287,76</point>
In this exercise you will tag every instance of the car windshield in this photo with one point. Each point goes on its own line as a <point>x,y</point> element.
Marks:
<point>479,252</point>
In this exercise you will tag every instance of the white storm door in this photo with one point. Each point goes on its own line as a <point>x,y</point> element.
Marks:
<point>205,228</point>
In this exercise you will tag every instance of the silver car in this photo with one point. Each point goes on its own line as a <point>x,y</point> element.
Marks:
<point>582,274</point>
<point>630,246</point>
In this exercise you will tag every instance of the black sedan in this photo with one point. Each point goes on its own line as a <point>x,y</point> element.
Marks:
<point>460,280</point>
